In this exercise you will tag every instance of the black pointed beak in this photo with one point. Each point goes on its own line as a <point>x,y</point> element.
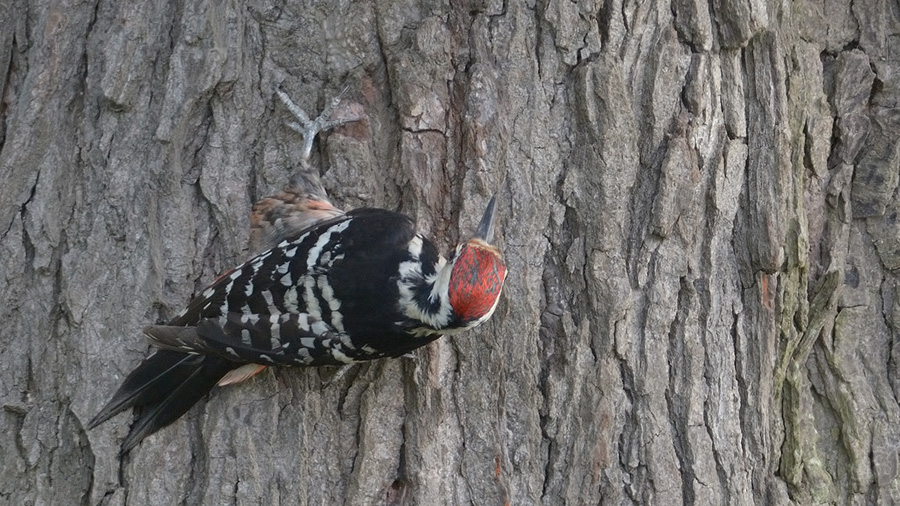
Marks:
<point>485,230</point>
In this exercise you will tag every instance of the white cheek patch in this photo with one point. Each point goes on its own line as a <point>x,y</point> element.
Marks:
<point>412,278</point>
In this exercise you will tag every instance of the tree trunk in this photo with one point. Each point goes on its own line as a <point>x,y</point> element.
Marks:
<point>698,210</point>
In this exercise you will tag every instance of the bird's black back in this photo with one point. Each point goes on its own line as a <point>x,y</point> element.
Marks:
<point>343,272</point>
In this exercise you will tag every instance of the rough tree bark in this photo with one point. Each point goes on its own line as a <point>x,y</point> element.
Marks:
<point>699,212</point>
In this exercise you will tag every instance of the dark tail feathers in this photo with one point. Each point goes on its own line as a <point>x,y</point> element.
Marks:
<point>161,389</point>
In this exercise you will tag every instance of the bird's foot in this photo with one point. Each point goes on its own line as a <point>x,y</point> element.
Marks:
<point>338,375</point>
<point>309,128</point>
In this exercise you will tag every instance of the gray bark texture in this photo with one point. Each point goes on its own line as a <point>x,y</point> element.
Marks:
<point>699,211</point>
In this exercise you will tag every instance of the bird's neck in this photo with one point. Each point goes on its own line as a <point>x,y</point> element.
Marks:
<point>424,284</point>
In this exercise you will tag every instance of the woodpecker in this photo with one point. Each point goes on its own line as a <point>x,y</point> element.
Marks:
<point>337,288</point>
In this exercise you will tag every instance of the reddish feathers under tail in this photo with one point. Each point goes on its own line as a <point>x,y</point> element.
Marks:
<point>161,389</point>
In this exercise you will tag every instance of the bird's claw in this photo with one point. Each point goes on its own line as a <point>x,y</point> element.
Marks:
<point>309,128</point>
<point>338,375</point>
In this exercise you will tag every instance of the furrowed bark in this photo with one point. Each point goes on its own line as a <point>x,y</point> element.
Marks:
<point>698,208</point>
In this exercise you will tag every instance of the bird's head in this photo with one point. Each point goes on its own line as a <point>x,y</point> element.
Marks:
<point>477,273</point>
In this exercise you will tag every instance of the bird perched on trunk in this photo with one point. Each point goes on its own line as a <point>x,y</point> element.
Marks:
<point>334,288</point>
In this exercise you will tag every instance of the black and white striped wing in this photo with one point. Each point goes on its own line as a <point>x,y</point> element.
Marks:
<point>289,278</point>
<point>329,296</point>
<point>284,339</point>
<point>276,308</point>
